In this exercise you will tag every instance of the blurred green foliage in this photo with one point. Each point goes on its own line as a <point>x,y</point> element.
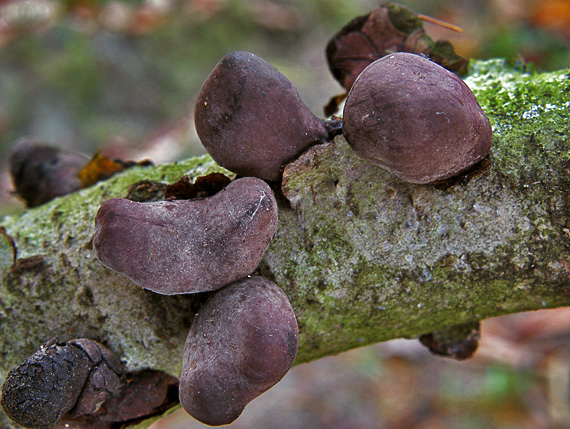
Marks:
<point>551,51</point>
<point>84,82</point>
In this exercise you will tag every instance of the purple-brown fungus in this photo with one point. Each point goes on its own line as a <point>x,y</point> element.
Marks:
<point>145,394</point>
<point>242,342</point>
<point>73,378</point>
<point>41,172</point>
<point>251,119</point>
<point>413,117</point>
<point>187,246</point>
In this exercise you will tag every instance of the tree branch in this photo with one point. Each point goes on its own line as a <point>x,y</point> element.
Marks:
<point>363,256</point>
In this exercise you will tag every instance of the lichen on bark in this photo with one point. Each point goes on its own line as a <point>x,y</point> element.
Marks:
<point>363,256</point>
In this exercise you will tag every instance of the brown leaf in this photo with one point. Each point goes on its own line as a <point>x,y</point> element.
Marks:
<point>333,105</point>
<point>100,168</point>
<point>387,29</point>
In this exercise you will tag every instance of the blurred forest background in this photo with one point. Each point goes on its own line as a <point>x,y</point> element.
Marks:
<point>122,76</point>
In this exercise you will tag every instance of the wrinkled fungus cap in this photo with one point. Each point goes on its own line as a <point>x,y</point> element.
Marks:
<point>251,119</point>
<point>76,377</point>
<point>188,246</point>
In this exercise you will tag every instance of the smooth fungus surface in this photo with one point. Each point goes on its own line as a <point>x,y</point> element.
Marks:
<point>413,117</point>
<point>41,172</point>
<point>251,119</point>
<point>242,342</point>
<point>183,246</point>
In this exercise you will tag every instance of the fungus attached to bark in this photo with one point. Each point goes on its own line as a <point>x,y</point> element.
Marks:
<point>251,119</point>
<point>187,246</point>
<point>145,394</point>
<point>413,117</point>
<point>242,342</point>
<point>41,172</point>
<point>76,377</point>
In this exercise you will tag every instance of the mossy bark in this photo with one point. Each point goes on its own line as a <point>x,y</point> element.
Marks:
<point>363,256</point>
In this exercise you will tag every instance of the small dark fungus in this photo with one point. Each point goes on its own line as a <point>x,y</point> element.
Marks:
<point>187,246</point>
<point>243,341</point>
<point>76,377</point>
<point>41,172</point>
<point>414,118</point>
<point>105,378</point>
<point>146,191</point>
<point>145,394</point>
<point>202,187</point>
<point>251,119</point>
<point>334,127</point>
<point>457,342</point>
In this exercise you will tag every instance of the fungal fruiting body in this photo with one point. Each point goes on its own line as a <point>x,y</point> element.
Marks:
<point>41,172</point>
<point>74,377</point>
<point>242,342</point>
<point>416,119</point>
<point>251,119</point>
<point>187,246</point>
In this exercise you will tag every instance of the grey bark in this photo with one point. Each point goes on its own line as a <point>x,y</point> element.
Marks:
<point>363,256</point>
